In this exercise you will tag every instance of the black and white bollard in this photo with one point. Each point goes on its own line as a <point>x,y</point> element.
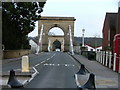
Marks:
<point>13,82</point>
<point>90,84</point>
<point>82,70</point>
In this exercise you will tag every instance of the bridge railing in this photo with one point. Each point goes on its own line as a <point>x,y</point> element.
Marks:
<point>108,59</point>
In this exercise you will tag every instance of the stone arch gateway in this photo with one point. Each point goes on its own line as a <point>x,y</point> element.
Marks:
<point>60,22</point>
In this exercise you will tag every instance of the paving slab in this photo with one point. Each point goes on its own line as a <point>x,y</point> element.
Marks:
<point>104,76</point>
<point>100,82</point>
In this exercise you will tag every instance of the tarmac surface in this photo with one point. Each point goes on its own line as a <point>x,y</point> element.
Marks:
<point>47,66</point>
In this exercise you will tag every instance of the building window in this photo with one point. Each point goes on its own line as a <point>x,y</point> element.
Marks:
<point>98,50</point>
<point>91,49</point>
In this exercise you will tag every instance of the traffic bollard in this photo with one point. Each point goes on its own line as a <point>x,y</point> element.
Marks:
<point>82,70</point>
<point>13,82</point>
<point>90,84</point>
<point>25,64</point>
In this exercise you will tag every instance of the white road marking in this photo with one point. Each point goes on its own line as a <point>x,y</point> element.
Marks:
<point>42,61</point>
<point>37,65</point>
<point>51,57</point>
<point>33,75</point>
<point>76,79</point>
<point>35,70</point>
<point>66,65</point>
<point>73,65</point>
<point>48,59</point>
<point>46,64</point>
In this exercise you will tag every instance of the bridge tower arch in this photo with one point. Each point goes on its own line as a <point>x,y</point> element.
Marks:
<point>60,22</point>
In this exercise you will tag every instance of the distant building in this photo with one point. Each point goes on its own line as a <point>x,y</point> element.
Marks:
<point>99,48</point>
<point>90,48</point>
<point>111,27</point>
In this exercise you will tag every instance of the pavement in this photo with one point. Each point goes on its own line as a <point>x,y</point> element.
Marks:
<point>22,77</point>
<point>104,77</point>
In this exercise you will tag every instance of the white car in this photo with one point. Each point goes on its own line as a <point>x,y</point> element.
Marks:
<point>58,50</point>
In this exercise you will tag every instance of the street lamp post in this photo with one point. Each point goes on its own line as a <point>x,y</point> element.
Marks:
<point>83,30</point>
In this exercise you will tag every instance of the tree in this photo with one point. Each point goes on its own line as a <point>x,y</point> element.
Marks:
<point>18,20</point>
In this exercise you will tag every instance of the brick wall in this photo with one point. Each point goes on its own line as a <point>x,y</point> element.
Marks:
<point>105,33</point>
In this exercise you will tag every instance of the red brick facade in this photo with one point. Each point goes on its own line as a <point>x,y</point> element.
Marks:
<point>109,30</point>
<point>111,27</point>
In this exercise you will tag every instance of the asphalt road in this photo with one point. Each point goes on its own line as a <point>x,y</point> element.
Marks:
<point>57,72</point>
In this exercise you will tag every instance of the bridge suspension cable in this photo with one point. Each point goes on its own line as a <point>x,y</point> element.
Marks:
<point>71,43</point>
<point>40,41</point>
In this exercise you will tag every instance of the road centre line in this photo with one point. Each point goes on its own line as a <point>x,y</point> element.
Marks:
<point>37,65</point>
<point>48,59</point>
<point>44,60</point>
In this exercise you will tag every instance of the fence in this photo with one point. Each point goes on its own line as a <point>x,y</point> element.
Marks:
<point>108,59</point>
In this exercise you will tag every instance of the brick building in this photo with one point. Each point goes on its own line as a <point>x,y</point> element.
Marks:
<point>118,22</point>
<point>111,27</point>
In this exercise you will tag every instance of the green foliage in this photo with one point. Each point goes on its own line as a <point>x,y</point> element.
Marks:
<point>18,19</point>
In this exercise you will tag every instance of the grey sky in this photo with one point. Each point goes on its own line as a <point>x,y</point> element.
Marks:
<point>89,14</point>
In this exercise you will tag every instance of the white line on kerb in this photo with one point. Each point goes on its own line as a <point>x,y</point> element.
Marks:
<point>33,75</point>
<point>35,70</point>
